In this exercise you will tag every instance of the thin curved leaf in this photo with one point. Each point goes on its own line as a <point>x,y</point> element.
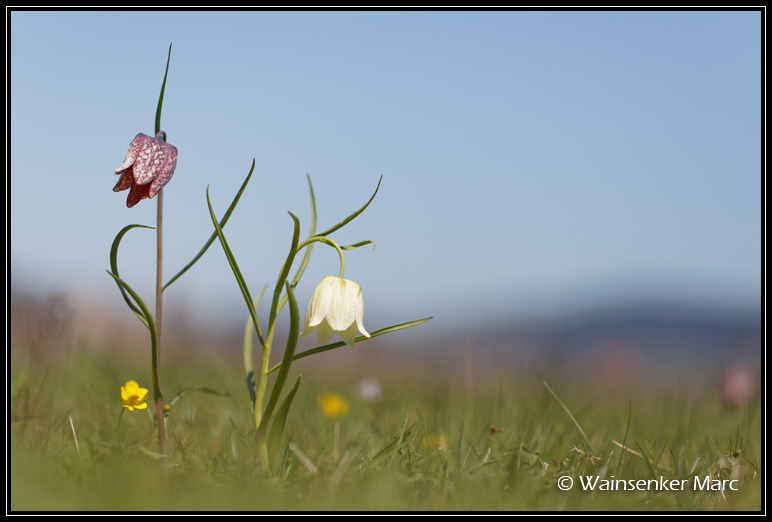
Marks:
<point>114,268</point>
<point>161,96</point>
<point>357,245</point>
<point>352,216</point>
<point>180,394</point>
<point>277,427</point>
<point>376,333</point>
<point>307,255</point>
<point>289,352</point>
<point>153,335</point>
<point>236,272</point>
<point>283,278</point>
<point>249,364</point>
<point>214,234</point>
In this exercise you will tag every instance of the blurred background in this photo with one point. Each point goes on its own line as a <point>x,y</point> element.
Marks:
<point>574,191</point>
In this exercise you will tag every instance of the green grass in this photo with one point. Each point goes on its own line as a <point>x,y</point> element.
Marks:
<point>382,463</point>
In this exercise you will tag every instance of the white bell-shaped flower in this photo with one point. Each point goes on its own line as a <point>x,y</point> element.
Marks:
<point>336,306</point>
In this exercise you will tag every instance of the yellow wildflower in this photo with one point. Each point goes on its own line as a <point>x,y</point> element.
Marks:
<point>133,397</point>
<point>333,405</point>
<point>431,441</point>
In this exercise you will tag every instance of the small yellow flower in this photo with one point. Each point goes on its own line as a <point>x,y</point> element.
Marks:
<point>336,306</point>
<point>133,397</point>
<point>433,440</point>
<point>333,405</point>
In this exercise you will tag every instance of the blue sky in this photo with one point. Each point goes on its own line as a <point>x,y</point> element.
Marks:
<point>531,161</point>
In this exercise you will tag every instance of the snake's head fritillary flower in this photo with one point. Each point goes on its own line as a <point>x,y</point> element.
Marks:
<point>333,405</point>
<point>336,306</point>
<point>149,165</point>
<point>133,397</point>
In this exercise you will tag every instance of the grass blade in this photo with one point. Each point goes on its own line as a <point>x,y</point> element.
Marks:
<point>581,431</point>
<point>627,434</point>
<point>646,459</point>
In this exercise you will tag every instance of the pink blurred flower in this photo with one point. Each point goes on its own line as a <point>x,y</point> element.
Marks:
<point>369,389</point>
<point>149,165</point>
<point>736,385</point>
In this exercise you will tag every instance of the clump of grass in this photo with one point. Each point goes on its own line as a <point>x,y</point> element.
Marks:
<point>423,446</point>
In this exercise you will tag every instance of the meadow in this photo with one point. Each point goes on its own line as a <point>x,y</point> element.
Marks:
<point>414,440</point>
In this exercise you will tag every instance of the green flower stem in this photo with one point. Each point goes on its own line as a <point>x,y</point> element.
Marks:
<point>264,370</point>
<point>159,404</point>
<point>280,283</point>
<point>159,292</point>
<point>329,241</point>
<point>261,384</point>
<point>248,358</point>
<point>289,352</point>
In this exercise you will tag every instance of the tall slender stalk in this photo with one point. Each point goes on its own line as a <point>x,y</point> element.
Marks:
<point>159,288</point>
<point>159,292</point>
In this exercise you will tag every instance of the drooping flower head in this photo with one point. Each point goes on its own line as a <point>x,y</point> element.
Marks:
<point>149,165</point>
<point>133,397</point>
<point>336,306</point>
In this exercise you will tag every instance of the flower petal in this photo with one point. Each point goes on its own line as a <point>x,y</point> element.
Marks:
<point>323,332</point>
<point>125,181</point>
<point>166,171</point>
<point>131,155</point>
<point>151,156</point>
<point>319,305</point>
<point>349,334</point>
<point>360,314</point>
<point>137,194</point>
<point>307,329</point>
<point>342,310</point>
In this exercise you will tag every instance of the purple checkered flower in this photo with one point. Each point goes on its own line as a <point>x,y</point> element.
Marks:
<point>149,165</point>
